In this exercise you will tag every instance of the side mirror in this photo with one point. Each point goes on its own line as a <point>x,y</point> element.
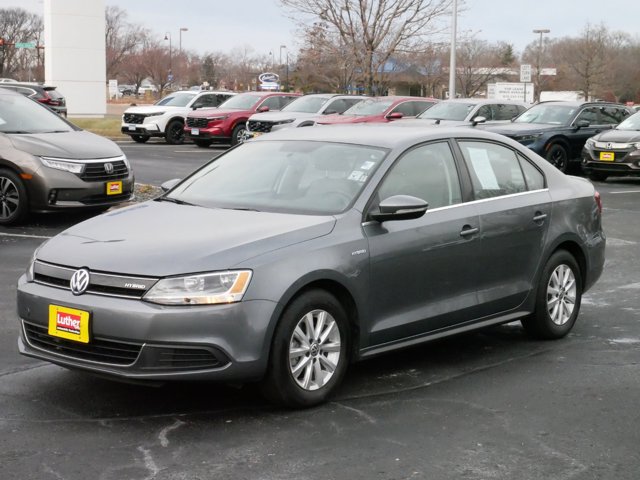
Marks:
<point>400,207</point>
<point>169,184</point>
<point>329,112</point>
<point>477,120</point>
<point>395,116</point>
<point>264,108</point>
<point>582,123</point>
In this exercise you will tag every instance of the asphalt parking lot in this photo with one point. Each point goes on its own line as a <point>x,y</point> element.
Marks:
<point>488,405</point>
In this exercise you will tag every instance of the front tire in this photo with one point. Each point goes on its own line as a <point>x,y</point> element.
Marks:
<point>14,204</point>
<point>309,353</point>
<point>237,136</point>
<point>174,133</point>
<point>558,157</point>
<point>558,298</point>
<point>203,143</point>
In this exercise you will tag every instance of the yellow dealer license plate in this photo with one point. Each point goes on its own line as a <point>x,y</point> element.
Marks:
<point>607,156</point>
<point>114,188</point>
<point>69,323</point>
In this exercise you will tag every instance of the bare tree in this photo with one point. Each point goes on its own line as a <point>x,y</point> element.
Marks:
<point>17,25</point>
<point>588,58</point>
<point>373,30</point>
<point>479,63</point>
<point>122,39</point>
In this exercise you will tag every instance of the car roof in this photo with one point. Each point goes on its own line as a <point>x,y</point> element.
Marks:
<point>27,84</point>
<point>578,103</point>
<point>378,135</point>
<point>480,101</point>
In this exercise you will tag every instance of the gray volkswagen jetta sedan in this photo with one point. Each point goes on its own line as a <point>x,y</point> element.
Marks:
<point>290,256</point>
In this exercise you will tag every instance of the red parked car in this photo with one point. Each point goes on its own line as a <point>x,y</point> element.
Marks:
<point>227,123</point>
<point>381,109</point>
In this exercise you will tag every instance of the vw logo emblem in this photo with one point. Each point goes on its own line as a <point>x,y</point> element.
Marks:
<point>79,281</point>
<point>108,167</point>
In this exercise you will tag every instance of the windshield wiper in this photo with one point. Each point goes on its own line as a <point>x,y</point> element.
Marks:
<point>173,200</point>
<point>15,131</point>
<point>243,209</point>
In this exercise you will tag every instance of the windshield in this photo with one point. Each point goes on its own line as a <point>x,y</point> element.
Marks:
<point>244,101</point>
<point>631,123</point>
<point>19,114</point>
<point>369,107</point>
<point>310,104</point>
<point>549,114</point>
<point>301,177</point>
<point>448,111</point>
<point>176,99</point>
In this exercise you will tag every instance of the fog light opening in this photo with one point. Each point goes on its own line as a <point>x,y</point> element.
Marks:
<point>53,196</point>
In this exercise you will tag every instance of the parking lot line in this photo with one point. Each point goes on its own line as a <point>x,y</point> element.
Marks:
<point>627,191</point>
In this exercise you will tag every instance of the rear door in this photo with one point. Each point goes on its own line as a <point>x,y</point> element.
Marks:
<point>514,208</point>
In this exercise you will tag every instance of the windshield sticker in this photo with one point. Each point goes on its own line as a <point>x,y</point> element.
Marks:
<point>367,165</point>
<point>358,176</point>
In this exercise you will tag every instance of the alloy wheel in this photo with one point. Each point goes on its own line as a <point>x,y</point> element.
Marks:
<point>561,294</point>
<point>9,198</point>
<point>314,350</point>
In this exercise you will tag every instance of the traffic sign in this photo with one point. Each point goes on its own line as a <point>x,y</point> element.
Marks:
<point>25,44</point>
<point>525,73</point>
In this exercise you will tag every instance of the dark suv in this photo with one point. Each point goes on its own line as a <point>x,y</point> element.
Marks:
<point>557,131</point>
<point>45,94</point>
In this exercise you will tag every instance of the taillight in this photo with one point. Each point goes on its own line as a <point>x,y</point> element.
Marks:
<point>598,200</point>
<point>47,100</point>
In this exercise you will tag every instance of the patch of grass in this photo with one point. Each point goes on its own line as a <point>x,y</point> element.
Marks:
<point>107,127</point>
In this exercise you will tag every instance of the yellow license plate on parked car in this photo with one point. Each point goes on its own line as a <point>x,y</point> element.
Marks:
<point>114,188</point>
<point>69,323</point>
<point>607,156</point>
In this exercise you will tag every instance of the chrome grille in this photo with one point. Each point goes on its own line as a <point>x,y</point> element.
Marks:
<point>197,122</point>
<point>106,284</point>
<point>98,350</point>
<point>97,171</point>
<point>258,126</point>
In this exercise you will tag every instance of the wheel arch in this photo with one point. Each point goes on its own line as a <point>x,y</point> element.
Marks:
<point>179,118</point>
<point>577,252</point>
<point>558,139</point>
<point>342,293</point>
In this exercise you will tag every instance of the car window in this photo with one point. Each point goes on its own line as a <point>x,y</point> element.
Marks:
<point>533,176</point>
<point>612,115</point>
<point>406,109</point>
<point>448,111</point>
<point>272,102</point>
<point>207,100</point>
<point>484,111</point>
<point>495,169</point>
<point>176,100</point>
<point>427,172</point>
<point>505,112</point>
<point>286,100</point>
<point>590,114</point>
<point>21,115</point>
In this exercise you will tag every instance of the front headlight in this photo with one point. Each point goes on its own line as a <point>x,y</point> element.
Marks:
<point>283,122</point>
<point>590,143</point>
<point>216,119</point>
<point>155,114</point>
<point>30,273</point>
<point>636,146</point>
<point>201,289</point>
<point>528,138</point>
<point>73,167</point>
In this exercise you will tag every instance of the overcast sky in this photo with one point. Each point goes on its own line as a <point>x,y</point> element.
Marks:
<point>221,25</point>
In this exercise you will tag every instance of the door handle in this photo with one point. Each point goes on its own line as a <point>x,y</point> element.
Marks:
<point>539,217</point>
<point>467,230</point>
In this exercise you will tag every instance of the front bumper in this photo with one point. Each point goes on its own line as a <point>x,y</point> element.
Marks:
<point>145,129</point>
<point>52,190</point>
<point>212,133</point>
<point>135,340</point>
<point>622,161</point>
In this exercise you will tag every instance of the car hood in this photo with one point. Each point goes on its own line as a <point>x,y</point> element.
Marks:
<point>207,112</point>
<point>162,238</point>
<point>279,116</point>
<point>75,145</point>
<point>337,119</point>
<point>147,109</point>
<point>511,128</point>
<point>618,136</point>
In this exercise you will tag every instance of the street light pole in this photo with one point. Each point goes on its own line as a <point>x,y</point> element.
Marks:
<point>182,29</point>
<point>167,36</point>
<point>541,31</point>
<point>452,58</point>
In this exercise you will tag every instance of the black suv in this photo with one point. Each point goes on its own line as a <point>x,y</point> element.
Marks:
<point>45,94</point>
<point>557,131</point>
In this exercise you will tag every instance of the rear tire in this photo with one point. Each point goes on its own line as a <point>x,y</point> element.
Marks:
<point>309,352</point>
<point>140,138</point>
<point>558,298</point>
<point>174,133</point>
<point>203,143</point>
<point>14,203</point>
